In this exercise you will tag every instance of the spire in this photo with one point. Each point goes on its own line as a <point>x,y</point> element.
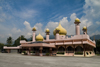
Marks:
<point>60,24</point>
<point>86,27</point>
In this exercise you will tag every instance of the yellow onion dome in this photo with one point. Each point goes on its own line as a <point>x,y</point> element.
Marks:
<point>62,31</point>
<point>84,28</point>
<point>34,29</point>
<point>57,28</point>
<point>47,30</point>
<point>39,37</point>
<point>77,20</point>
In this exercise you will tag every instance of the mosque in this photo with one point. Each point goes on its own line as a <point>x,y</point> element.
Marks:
<point>61,45</point>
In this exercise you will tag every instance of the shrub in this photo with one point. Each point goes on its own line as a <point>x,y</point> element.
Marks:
<point>80,53</point>
<point>60,52</point>
<point>32,52</point>
<point>24,52</point>
<point>47,54</point>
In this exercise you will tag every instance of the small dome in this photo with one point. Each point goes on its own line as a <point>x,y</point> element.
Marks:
<point>34,29</point>
<point>39,37</point>
<point>77,20</point>
<point>84,28</point>
<point>62,31</point>
<point>47,30</point>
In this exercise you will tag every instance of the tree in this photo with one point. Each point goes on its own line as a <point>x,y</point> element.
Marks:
<point>9,40</point>
<point>98,45</point>
<point>1,46</point>
<point>17,41</point>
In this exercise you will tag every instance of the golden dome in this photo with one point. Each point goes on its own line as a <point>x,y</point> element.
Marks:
<point>77,20</point>
<point>62,31</point>
<point>57,28</point>
<point>84,28</point>
<point>34,29</point>
<point>39,37</point>
<point>47,30</point>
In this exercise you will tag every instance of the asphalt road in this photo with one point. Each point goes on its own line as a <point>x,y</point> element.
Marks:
<point>18,60</point>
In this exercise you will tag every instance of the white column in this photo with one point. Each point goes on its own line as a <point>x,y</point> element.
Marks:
<point>47,36</point>
<point>57,36</point>
<point>33,36</point>
<point>77,29</point>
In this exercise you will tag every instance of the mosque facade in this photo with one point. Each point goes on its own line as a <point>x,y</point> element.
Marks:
<point>61,45</point>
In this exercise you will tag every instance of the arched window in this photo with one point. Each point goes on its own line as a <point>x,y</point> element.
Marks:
<point>61,49</point>
<point>78,48</point>
<point>70,48</point>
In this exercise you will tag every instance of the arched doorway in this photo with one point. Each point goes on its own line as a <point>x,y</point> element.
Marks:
<point>79,50</point>
<point>36,50</point>
<point>61,49</point>
<point>70,49</point>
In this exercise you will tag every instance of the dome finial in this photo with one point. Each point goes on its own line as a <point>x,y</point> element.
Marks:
<point>85,28</point>
<point>47,31</point>
<point>34,29</point>
<point>77,21</point>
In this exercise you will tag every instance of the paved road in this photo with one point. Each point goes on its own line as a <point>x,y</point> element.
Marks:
<point>17,60</point>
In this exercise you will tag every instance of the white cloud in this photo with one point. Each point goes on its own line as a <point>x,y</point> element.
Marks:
<point>91,19</point>
<point>73,17</point>
<point>39,29</point>
<point>26,13</point>
<point>51,26</point>
<point>92,9</point>
<point>98,22</point>
<point>95,33</point>
<point>92,15</point>
<point>68,25</point>
<point>27,24</point>
<point>15,30</point>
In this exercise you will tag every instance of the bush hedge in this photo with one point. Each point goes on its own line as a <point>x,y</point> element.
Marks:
<point>47,54</point>
<point>79,53</point>
<point>60,52</point>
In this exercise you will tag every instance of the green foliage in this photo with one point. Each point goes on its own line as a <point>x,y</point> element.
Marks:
<point>1,46</point>
<point>17,41</point>
<point>9,45</point>
<point>9,40</point>
<point>60,52</point>
<point>98,45</point>
<point>79,53</point>
<point>98,54</point>
<point>24,52</point>
<point>47,54</point>
<point>32,52</point>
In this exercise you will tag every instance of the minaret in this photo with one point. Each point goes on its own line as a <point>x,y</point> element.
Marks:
<point>77,26</point>
<point>84,30</point>
<point>47,34</point>
<point>57,33</point>
<point>34,29</point>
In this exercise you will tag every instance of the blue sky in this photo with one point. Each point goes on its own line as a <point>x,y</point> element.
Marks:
<point>18,17</point>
